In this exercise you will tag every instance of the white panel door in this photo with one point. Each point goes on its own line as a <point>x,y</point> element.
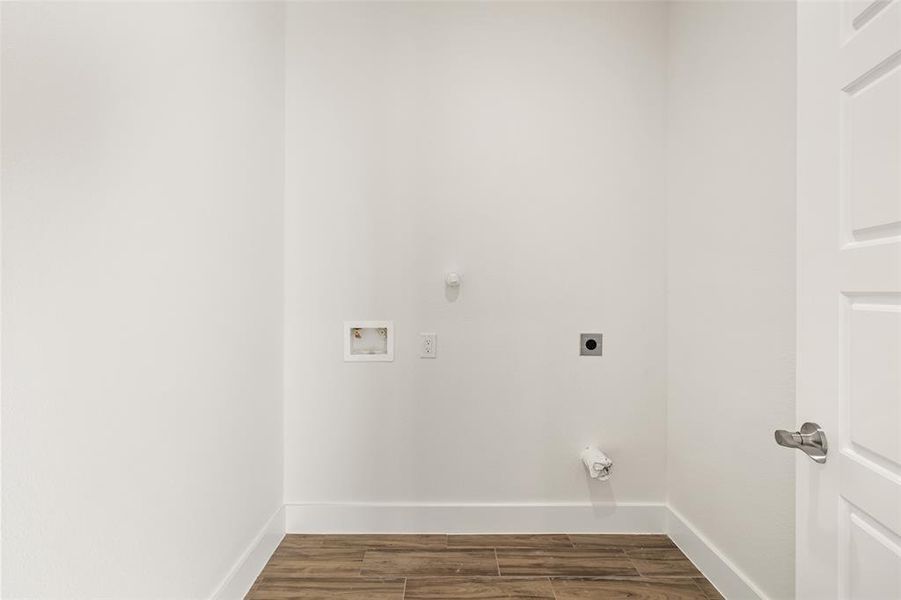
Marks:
<point>849,298</point>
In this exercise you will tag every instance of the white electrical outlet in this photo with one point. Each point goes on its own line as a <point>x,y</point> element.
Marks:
<point>428,347</point>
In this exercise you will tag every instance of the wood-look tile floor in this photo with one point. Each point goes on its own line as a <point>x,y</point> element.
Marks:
<point>480,567</point>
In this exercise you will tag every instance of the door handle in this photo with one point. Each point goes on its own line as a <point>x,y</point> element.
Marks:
<point>811,440</point>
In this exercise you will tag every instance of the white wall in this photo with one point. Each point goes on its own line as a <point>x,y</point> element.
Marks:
<point>142,209</point>
<point>521,144</point>
<point>731,278</point>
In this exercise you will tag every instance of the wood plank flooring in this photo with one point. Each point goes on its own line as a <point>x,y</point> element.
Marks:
<point>480,567</point>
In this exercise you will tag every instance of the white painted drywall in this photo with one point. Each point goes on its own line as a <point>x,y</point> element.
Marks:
<point>142,225</point>
<point>520,144</point>
<point>731,280</point>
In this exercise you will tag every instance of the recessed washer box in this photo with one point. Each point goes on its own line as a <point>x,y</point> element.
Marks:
<point>368,341</point>
<point>591,344</point>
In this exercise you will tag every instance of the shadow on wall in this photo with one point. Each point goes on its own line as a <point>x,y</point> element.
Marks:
<point>601,496</point>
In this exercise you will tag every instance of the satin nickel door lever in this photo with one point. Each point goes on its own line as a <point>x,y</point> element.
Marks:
<point>811,440</point>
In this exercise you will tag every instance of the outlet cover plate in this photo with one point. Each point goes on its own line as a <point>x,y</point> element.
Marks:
<point>428,345</point>
<point>591,344</point>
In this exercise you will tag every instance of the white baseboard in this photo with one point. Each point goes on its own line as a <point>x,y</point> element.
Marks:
<point>731,582</point>
<point>244,572</point>
<point>474,518</point>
